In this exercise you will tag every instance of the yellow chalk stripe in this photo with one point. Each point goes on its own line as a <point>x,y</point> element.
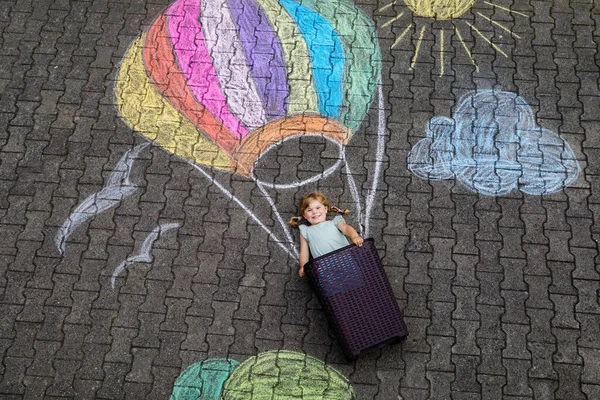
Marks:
<point>416,55</point>
<point>401,36</point>
<point>500,25</point>
<point>498,49</point>
<point>507,9</point>
<point>442,52</point>
<point>303,97</point>
<point>386,7</point>
<point>392,20</point>
<point>466,48</point>
<point>144,109</point>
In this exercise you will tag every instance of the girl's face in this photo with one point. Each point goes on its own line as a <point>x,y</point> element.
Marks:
<point>315,213</point>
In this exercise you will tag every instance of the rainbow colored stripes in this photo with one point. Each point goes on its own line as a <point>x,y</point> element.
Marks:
<point>232,67</point>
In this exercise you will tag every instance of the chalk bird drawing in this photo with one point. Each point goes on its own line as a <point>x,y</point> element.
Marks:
<point>144,255</point>
<point>279,374</point>
<point>220,83</point>
<point>117,188</point>
<point>493,145</point>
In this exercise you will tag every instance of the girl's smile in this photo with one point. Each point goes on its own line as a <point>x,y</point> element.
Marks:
<point>315,213</point>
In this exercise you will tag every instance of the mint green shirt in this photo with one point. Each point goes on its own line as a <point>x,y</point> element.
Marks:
<point>325,237</point>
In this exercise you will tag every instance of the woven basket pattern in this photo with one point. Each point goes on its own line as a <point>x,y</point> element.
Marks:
<point>357,297</point>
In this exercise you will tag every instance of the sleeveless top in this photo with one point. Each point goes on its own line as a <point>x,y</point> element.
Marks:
<point>325,237</point>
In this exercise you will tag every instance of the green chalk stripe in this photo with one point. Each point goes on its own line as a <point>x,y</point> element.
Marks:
<point>203,380</point>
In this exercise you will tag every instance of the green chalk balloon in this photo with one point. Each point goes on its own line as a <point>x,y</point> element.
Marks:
<point>203,380</point>
<point>278,375</point>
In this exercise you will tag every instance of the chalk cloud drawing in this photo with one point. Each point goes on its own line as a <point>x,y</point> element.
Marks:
<point>117,188</point>
<point>493,145</point>
<point>451,11</point>
<point>144,255</point>
<point>279,374</point>
<point>220,83</point>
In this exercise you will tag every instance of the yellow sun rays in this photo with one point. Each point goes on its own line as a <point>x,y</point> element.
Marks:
<point>446,10</point>
<point>462,41</point>
<point>402,35</point>
<point>442,52</point>
<point>498,49</point>
<point>416,55</point>
<point>391,21</point>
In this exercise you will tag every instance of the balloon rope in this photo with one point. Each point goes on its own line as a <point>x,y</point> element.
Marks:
<point>378,158</point>
<point>354,192</point>
<point>246,209</point>
<point>278,215</point>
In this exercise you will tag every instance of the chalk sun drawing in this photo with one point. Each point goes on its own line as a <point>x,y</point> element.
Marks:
<point>220,83</point>
<point>116,189</point>
<point>270,375</point>
<point>445,10</point>
<point>493,145</point>
<point>144,255</point>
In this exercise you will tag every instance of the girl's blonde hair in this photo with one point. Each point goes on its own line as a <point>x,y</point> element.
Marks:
<point>305,202</point>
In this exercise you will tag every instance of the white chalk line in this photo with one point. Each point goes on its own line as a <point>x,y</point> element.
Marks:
<point>117,188</point>
<point>245,208</point>
<point>278,216</point>
<point>378,158</point>
<point>355,196</point>
<point>312,179</point>
<point>144,255</point>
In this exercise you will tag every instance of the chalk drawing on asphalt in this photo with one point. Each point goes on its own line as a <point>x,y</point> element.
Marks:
<point>117,188</point>
<point>279,374</point>
<point>451,11</point>
<point>281,243</point>
<point>314,69</point>
<point>144,255</point>
<point>493,145</point>
<point>203,380</point>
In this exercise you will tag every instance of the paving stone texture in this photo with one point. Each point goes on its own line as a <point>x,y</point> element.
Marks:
<point>500,293</point>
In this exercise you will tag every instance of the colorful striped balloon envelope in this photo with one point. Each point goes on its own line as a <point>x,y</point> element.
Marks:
<point>218,82</point>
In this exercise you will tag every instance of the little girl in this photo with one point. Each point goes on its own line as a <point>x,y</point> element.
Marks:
<point>321,236</point>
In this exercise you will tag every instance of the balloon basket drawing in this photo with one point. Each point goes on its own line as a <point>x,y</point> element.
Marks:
<point>357,298</point>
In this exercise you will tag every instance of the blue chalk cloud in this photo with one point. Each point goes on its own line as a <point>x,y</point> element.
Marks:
<point>493,145</point>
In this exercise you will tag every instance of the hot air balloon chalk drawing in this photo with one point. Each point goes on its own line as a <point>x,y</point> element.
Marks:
<point>220,83</point>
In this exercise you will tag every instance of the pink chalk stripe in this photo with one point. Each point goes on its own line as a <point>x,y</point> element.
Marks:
<point>195,63</point>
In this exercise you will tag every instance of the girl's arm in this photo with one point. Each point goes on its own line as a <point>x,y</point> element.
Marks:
<point>304,255</point>
<point>351,233</point>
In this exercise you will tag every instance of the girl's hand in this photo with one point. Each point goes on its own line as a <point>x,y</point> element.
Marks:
<point>301,272</point>
<point>358,241</point>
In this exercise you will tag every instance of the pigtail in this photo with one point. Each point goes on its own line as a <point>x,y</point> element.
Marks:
<point>294,222</point>
<point>338,210</point>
